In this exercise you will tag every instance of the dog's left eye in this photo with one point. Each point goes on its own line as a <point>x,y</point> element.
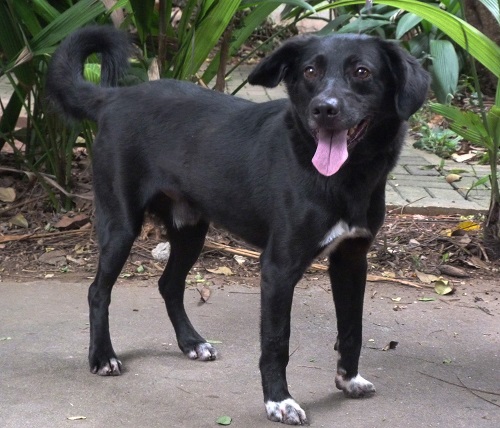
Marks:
<point>310,72</point>
<point>362,73</point>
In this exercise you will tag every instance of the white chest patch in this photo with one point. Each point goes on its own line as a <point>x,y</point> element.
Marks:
<point>338,233</point>
<point>337,230</point>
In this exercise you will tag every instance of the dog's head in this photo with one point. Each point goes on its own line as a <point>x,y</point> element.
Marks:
<point>342,84</point>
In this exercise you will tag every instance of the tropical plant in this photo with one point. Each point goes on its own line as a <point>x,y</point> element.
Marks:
<point>29,32</point>
<point>182,49</point>
<point>482,129</point>
<point>441,141</point>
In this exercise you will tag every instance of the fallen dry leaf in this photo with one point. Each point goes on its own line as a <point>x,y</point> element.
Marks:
<point>476,262</point>
<point>463,158</point>
<point>19,220</point>
<point>7,194</point>
<point>222,270</point>
<point>75,222</point>
<point>426,278</point>
<point>204,294</point>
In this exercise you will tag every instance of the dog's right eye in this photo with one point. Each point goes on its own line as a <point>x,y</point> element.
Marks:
<point>362,73</point>
<point>310,72</point>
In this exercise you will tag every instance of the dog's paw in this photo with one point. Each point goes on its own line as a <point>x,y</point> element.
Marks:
<point>109,367</point>
<point>286,411</point>
<point>203,352</point>
<point>357,387</point>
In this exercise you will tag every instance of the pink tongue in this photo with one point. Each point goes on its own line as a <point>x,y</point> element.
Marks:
<point>331,152</point>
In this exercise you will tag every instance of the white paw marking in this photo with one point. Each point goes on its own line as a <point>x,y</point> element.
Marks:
<point>112,368</point>
<point>203,352</point>
<point>356,387</point>
<point>286,411</point>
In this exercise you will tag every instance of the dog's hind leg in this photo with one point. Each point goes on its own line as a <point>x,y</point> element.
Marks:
<point>348,267</point>
<point>116,234</point>
<point>186,243</point>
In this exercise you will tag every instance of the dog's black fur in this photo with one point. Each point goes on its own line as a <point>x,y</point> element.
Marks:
<point>192,156</point>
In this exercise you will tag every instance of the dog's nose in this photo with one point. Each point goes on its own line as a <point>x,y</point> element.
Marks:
<point>325,109</point>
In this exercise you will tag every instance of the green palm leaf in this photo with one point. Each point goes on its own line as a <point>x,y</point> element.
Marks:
<point>250,23</point>
<point>45,41</point>
<point>465,35</point>
<point>203,36</point>
<point>467,124</point>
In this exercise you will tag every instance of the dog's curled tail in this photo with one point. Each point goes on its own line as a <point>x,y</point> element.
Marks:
<point>65,86</point>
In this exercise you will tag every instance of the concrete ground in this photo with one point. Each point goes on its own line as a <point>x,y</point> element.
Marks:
<point>448,352</point>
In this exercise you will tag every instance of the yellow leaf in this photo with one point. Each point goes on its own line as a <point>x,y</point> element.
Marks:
<point>468,225</point>
<point>442,287</point>
<point>223,270</point>
<point>446,232</point>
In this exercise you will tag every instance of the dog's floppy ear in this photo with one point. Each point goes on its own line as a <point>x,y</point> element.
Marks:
<point>275,67</point>
<point>412,81</point>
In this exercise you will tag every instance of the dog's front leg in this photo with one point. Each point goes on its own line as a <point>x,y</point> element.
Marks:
<point>348,268</point>
<point>277,288</point>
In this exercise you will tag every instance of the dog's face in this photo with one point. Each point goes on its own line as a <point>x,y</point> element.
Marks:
<point>340,85</point>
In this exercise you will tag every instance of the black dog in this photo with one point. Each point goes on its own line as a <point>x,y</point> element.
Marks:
<point>295,177</point>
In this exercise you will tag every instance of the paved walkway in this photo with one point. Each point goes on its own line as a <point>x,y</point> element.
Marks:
<point>417,185</point>
<point>44,375</point>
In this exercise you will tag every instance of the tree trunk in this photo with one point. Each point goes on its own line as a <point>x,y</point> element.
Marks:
<point>220,83</point>
<point>492,231</point>
<point>481,18</point>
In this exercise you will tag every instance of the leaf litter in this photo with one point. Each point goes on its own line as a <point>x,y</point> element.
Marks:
<point>434,245</point>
